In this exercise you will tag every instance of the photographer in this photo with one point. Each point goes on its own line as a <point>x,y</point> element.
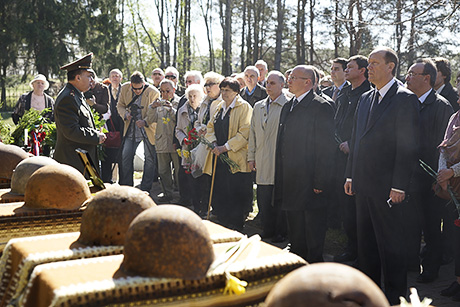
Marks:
<point>163,113</point>
<point>135,97</point>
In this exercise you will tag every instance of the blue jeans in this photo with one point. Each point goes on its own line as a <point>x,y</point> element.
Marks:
<point>127,165</point>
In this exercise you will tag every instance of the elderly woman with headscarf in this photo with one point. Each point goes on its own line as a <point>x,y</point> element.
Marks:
<point>228,130</point>
<point>36,99</point>
<point>187,115</point>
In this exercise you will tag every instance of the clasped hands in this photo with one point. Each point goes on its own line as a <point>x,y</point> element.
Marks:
<point>218,150</point>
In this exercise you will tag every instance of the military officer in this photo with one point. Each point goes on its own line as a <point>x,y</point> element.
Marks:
<point>75,125</point>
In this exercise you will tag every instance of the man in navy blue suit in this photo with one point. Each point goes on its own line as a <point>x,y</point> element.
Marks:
<point>383,154</point>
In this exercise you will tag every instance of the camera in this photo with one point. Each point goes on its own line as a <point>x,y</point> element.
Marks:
<point>134,110</point>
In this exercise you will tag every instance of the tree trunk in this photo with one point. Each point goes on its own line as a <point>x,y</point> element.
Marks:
<point>176,30</point>
<point>256,11</point>
<point>336,30</point>
<point>300,32</point>
<point>411,54</point>
<point>243,32</point>
<point>280,4</point>
<point>227,67</point>
<point>398,33</point>
<point>312,19</point>
<point>249,51</point>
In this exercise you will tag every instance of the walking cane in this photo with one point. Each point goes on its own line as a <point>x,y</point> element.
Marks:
<point>212,186</point>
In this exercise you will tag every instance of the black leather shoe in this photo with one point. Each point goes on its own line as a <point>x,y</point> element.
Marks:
<point>452,290</point>
<point>427,277</point>
<point>345,257</point>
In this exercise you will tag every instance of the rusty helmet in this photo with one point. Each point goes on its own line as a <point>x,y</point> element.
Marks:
<point>326,285</point>
<point>108,214</point>
<point>10,155</point>
<point>168,241</point>
<point>56,187</point>
<point>25,169</point>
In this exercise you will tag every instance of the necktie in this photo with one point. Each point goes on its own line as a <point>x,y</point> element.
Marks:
<point>294,103</point>
<point>375,103</point>
<point>335,94</point>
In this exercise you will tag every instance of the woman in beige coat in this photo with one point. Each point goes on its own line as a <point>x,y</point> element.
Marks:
<point>228,130</point>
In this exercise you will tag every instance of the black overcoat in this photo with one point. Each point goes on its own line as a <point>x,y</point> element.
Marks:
<point>305,152</point>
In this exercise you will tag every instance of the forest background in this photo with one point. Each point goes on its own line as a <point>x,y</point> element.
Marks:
<point>38,36</point>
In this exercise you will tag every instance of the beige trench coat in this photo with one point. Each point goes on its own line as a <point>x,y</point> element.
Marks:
<point>262,138</point>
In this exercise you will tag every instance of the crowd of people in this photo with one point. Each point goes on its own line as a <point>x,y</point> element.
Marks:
<point>341,149</point>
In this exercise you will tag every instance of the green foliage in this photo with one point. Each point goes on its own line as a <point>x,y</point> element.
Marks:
<point>99,123</point>
<point>31,120</point>
<point>5,132</point>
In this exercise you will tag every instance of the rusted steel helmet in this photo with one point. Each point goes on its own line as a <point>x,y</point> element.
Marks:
<point>326,285</point>
<point>25,169</point>
<point>108,214</point>
<point>10,155</point>
<point>56,187</point>
<point>168,241</point>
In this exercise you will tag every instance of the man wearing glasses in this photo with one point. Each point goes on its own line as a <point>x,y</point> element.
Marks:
<point>304,155</point>
<point>157,76</point>
<point>135,97</point>
<point>425,209</point>
<point>172,74</point>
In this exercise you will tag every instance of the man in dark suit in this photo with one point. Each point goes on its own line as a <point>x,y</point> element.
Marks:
<point>305,151</point>
<point>356,74</point>
<point>424,207</point>
<point>74,122</point>
<point>340,86</point>
<point>383,154</point>
<point>442,84</point>
<point>253,91</point>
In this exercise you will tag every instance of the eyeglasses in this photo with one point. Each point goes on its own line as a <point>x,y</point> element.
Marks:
<point>156,74</point>
<point>137,88</point>
<point>411,74</point>
<point>209,84</point>
<point>293,78</point>
<point>170,77</point>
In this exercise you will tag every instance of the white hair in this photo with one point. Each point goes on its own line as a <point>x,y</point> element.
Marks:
<point>197,76</point>
<point>278,74</point>
<point>173,70</point>
<point>262,62</point>
<point>253,68</point>
<point>194,88</point>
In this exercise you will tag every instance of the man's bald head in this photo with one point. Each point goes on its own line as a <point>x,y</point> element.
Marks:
<point>301,79</point>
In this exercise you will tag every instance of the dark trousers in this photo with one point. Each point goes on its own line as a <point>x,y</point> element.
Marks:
<point>449,214</point>
<point>456,244</point>
<point>111,157</point>
<point>273,219</point>
<point>231,196</point>
<point>185,188</point>
<point>431,208</point>
<point>381,244</point>
<point>307,231</point>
